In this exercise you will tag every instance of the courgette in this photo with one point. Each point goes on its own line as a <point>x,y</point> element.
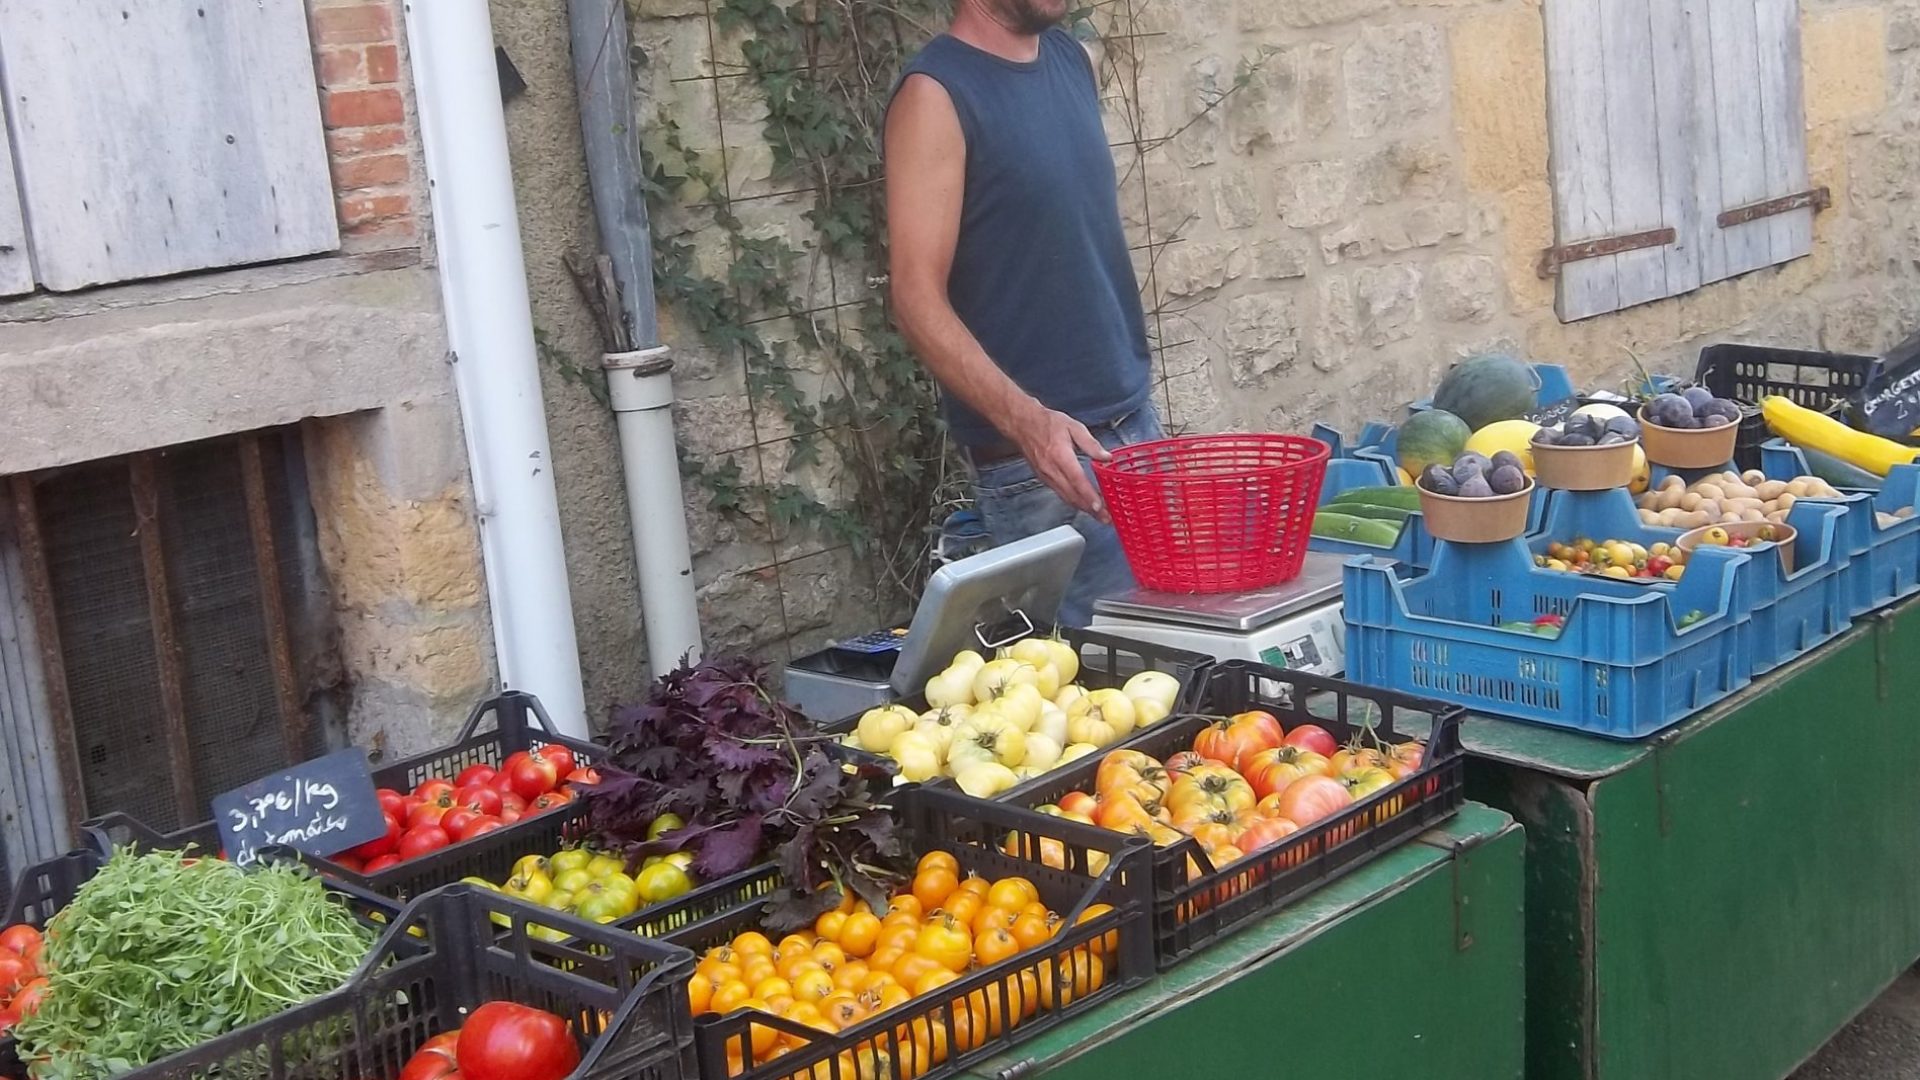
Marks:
<point>1378,513</point>
<point>1406,498</point>
<point>1807,429</point>
<point>1355,530</point>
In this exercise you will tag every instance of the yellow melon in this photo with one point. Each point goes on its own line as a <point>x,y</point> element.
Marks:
<point>1514,435</point>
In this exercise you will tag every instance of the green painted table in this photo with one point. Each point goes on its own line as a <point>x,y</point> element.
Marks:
<point>1410,966</point>
<point>1717,901</point>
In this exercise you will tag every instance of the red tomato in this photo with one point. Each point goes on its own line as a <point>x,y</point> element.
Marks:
<point>429,790</point>
<point>1267,723</point>
<point>550,801</point>
<point>14,973</point>
<point>559,756</point>
<point>1183,763</point>
<point>374,866</point>
<point>1311,798</point>
<point>512,801</point>
<point>422,839</point>
<point>1271,770</point>
<point>1264,832</point>
<point>513,760</point>
<point>1231,743</point>
<point>505,1041</point>
<point>27,1001</point>
<point>1078,802</point>
<point>392,802</point>
<point>380,845</point>
<point>407,806</point>
<point>483,825</point>
<point>501,783</point>
<point>350,862</point>
<point>431,811</point>
<point>533,777</point>
<point>508,815</point>
<point>457,821</point>
<point>588,775</point>
<point>478,798</point>
<point>21,938</point>
<point>1312,737</point>
<point>434,1060</point>
<point>474,774</point>
<point>8,1018</point>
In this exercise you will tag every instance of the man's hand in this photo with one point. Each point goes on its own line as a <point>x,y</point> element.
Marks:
<point>1048,440</point>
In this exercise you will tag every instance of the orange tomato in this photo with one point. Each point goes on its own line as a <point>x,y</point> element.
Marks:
<point>940,859</point>
<point>887,996</point>
<point>699,995</point>
<point>1003,1004</point>
<point>995,945</point>
<point>790,967</point>
<point>963,905</point>
<point>974,883</point>
<point>1107,943</point>
<point>828,955</point>
<point>897,936</point>
<point>720,954</point>
<point>1012,893</point>
<point>1031,929</point>
<point>729,996</point>
<point>850,975</point>
<point>780,1005</point>
<point>761,1036</point>
<point>843,1011</point>
<point>933,980</point>
<point>772,987</point>
<point>859,934</point>
<point>946,942</point>
<point>757,969</point>
<point>912,966</point>
<point>829,925</point>
<point>794,943</point>
<point>884,960</point>
<point>904,904</point>
<point>992,917</point>
<point>1071,978</point>
<point>717,972</point>
<point>933,884</point>
<point>813,985</point>
<point>753,942</point>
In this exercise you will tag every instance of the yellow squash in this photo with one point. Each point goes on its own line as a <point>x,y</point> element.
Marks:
<point>1804,427</point>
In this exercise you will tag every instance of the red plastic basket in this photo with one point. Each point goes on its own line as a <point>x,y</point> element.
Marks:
<point>1214,513</point>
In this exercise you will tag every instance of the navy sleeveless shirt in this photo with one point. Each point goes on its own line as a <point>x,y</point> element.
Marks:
<point>1041,275</point>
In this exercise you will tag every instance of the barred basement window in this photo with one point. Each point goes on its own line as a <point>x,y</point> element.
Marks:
<point>150,608</point>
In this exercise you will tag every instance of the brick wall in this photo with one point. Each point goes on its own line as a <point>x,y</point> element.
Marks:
<point>370,136</point>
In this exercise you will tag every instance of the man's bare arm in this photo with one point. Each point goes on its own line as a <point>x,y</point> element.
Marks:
<point>926,180</point>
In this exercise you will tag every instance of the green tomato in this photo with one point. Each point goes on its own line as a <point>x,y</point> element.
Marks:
<point>570,859</point>
<point>601,902</point>
<point>602,865</point>
<point>663,881</point>
<point>573,880</point>
<point>531,864</point>
<point>558,901</point>
<point>664,824</point>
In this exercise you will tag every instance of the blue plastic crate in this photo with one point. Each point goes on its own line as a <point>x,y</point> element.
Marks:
<point>1792,611</point>
<point>1622,667</point>
<point>1885,564</point>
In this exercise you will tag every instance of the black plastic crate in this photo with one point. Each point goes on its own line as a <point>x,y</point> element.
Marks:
<point>519,723</point>
<point>623,996</point>
<point>46,887</point>
<point>1196,903</point>
<point>1823,382</point>
<point>993,840</point>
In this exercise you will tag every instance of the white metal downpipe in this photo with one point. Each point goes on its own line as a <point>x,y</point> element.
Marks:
<point>641,386</point>
<point>483,283</point>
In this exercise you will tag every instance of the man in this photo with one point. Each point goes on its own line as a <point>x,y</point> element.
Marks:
<point>1011,277</point>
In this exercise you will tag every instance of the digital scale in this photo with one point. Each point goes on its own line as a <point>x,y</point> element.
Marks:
<point>1296,625</point>
<point>981,602</point>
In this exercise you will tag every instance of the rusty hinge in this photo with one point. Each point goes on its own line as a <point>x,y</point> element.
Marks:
<point>1462,900</point>
<point>1819,199</point>
<point>1553,259</point>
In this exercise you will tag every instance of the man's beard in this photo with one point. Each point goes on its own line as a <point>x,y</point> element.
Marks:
<point>1031,16</point>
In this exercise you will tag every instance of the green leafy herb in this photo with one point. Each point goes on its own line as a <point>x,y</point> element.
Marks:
<point>160,952</point>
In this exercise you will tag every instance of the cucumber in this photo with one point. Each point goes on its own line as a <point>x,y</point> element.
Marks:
<point>1355,530</point>
<point>1406,498</point>
<point>1839,473</point>
<point>1378,513</point>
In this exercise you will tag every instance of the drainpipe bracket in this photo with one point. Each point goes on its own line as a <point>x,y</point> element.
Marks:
<point>639,380</point>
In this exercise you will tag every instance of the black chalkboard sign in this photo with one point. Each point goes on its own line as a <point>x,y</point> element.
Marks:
<point>321,807</point>
<point>1890,402</point>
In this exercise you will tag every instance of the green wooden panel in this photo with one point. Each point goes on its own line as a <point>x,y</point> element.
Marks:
<point>1376,953</point>
<point>1720,902</point>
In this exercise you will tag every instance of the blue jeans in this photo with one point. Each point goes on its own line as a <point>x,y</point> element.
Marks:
<point>1015,504</point>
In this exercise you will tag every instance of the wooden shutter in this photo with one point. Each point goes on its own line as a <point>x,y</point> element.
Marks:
<point>164,136</point>
<point>1663,115</point>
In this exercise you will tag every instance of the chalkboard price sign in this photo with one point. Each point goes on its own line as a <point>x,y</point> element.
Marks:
<point>321,807</point>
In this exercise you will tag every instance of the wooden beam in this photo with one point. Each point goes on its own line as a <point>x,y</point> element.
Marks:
<point>53,666</point>
<point>273,608</point>
<point>166,643</point>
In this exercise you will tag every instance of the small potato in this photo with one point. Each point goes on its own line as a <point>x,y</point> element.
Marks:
<point>1711,508</point>
<point>1691,501</point>
<point>1729,518</point>
<point>1744,504</point>
<point>1771,490</point>
<point>1671,499</point>
<point>1777,516</point>
<point>1674,483</point>
<point>1754,476</point>
<point>1797,487</point>
<point>1710,491</point>
<point>1740,491</point>
<point>1754,515</point>
<point>1823,490</point>
<point>1692,519</point>
<point>1649,517</point>
<point>1785,502</point>
<point>1668,518</point>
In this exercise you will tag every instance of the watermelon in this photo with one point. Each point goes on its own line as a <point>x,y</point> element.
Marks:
<point>1487,389</point>
<point>1434,437</point>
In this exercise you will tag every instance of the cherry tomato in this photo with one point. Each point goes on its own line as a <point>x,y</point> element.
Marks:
<point>505,1041</point>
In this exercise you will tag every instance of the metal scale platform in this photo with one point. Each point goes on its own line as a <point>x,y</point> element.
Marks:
<point>980,602</point>
<point>1296,625</point>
